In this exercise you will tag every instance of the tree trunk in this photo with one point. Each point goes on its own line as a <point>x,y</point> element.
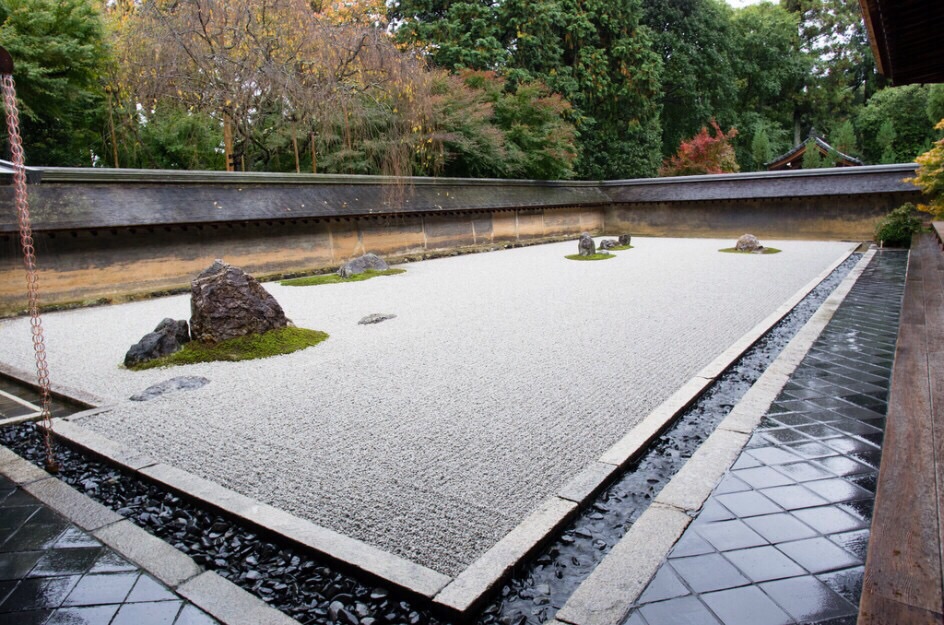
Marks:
<point>228,141</point>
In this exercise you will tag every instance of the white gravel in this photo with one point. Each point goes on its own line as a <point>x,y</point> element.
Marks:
<point>433,434</point>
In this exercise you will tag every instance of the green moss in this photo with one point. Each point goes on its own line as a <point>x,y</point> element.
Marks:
<point>596,256</point>
<point>620,248</point>
<point>766,250</point>
<point>333,278</point>
<point>272,343</point>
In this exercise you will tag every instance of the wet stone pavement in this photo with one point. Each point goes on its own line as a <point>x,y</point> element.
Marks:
<point>53,573</point>
<point>783,537</point>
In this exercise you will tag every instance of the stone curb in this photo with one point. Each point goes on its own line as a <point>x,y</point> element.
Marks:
<point>606,596</point>
<point>67,393</point>
<point>350,552</point>
<point>229,603</point>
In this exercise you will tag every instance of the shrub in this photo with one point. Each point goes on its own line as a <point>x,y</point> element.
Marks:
<point>898,226</point>
<point>930,177</point>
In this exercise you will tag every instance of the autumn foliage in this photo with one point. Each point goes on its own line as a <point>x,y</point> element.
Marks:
<point>930,176</point>
<point>704,154</point>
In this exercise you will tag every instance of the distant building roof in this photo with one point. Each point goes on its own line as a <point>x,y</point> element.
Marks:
<point>906,39</point>
<point>793,159</point>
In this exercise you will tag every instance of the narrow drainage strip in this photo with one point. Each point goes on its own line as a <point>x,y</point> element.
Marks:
<point>312,590</point>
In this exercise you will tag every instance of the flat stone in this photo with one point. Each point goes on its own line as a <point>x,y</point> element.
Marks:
<point>605,597</point>
<point>376,318</point>
<point>352,552</point>
<point>471,586</point>
<point>692,485</point>
<point>73,505</point>
<point>19,470</point>
<point>151,553</point>
<point>180,383</point>
<point>586,483</point>
<point>96,443</point>
<point>637,439</point>
<point>230,603</point>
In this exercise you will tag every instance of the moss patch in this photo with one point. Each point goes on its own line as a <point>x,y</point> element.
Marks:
<point>620,248</point>
<point>333,278</point>
<point>766,250</point>
<point>272,343</point>
<point>591,257</point>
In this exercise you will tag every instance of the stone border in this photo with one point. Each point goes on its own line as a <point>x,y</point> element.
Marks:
<point>66,393</point>
<point>37,411</point>
<point>219,597</point>
<point>461,595</point>
<point>605,597</point>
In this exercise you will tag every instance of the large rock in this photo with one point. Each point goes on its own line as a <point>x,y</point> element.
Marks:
<point>226,302</point>
<point>625,239</point>
<point>585,246</point>
<point>362,264</point>
<point>168,337</point>
<point>748,243</point>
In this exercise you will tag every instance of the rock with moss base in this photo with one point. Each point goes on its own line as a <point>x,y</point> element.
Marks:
<point>586,246</point>
<point>226,302</point>
<point>362,264</point>
<point>167,338</point>
<point>748,243</point>
<point>625,239</point>
<point>608,244</point>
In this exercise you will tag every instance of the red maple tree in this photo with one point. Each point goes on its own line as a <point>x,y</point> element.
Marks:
<point>703,154</point>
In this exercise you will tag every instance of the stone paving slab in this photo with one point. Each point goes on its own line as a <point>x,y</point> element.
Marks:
<point>53,571</point>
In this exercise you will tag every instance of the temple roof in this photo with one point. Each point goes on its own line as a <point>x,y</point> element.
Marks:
<point>793,159</point>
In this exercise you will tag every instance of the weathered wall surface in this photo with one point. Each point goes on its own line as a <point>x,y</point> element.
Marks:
<point>114,234</point>
<point>83,266</point>
<point>829,218</point>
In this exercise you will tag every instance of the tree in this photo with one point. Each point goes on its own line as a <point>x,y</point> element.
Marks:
<point>844,139</point>
<point>894,124</point>
<point>696,41</point>
<point>595,54</point>
<point>703,154</point>
<point>812,159</point>
<point>930,176</point>
<point>769,69</point>
<point>761,152</point>
<point>842,75</point>
<point>59,52</point>
<point>886,140</point>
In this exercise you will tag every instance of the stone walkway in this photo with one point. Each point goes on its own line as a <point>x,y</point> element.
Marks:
<point>52,572</point>
<point>782,539</point>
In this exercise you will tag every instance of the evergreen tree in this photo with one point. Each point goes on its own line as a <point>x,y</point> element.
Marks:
<point>812,159</point>
<point>760,148</point>
<point>844,139</point>
<point>886,140</point>
<point>59,54</point>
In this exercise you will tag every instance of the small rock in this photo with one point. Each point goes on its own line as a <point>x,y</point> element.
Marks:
<point>748,243</point>
<point>625,239</point>
<point>182,383</point>
<point>168,337</point>
<point>586,246</point>
<point>362,264</point>
<point>379,594</point>
<point>376,318</point>
<point>608,244</point>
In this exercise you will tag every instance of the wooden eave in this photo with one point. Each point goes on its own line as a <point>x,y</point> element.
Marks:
<point>905,36</point>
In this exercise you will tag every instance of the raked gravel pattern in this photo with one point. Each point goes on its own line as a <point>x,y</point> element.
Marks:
<point>434,434</point>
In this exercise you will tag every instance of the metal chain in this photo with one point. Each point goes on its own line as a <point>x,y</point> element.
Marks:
<point>29,259</point>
